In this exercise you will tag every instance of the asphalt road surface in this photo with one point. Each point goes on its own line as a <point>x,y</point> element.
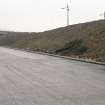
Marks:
<point>34,79</point>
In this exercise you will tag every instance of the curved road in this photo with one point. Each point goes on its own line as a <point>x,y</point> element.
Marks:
<point>34,79</point>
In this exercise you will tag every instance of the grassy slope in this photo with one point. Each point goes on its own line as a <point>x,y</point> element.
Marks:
<point>92,33</point>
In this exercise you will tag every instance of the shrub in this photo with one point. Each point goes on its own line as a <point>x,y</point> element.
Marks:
<point>74,47</point>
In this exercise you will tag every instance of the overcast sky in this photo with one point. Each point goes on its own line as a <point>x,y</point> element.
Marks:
<point>40,15</point>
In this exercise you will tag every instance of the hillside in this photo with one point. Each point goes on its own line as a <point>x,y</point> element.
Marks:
<point>85,40</point>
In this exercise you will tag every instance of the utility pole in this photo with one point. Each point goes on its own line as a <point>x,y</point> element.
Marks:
<point>103,14</point>
<point>68,9</point>
<point>68,14</point>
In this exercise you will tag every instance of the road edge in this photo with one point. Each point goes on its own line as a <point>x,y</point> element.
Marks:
<point>59,56</point>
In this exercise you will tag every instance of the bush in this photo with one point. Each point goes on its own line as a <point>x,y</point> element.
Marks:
<point>74,47</point>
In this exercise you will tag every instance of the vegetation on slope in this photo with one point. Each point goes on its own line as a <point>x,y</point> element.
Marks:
<point>75,47</point>
<point>85,40</point>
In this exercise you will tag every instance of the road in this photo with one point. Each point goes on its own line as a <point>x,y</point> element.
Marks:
<point>35,79</point>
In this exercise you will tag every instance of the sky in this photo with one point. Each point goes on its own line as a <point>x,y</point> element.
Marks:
<point>42,15</point>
